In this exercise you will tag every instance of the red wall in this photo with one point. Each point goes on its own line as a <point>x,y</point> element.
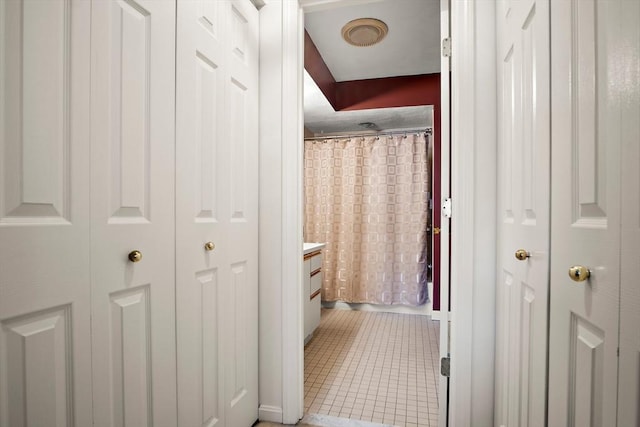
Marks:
<point>407,91</point>
<point>318,70</point>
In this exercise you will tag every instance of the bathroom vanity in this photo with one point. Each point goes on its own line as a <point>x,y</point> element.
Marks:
<point>311,284</point>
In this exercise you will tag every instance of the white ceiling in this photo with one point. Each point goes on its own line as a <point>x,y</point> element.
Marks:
<point>411,47</point>
<point>320,117</point>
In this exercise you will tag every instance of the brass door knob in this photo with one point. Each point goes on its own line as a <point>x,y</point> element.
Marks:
<point>522,255</point>
<point>436,230</point>
<point>579,273</point>
<point>209,246</point>
<point>135,256</point>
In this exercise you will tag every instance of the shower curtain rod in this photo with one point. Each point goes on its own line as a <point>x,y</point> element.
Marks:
<point>427,131</point>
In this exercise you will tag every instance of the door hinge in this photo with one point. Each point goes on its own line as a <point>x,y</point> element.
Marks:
<point>446,47</point>
<point>445,366</point>
<point>446,207</point>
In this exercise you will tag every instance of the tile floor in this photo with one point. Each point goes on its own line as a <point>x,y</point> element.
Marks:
<point>371,366</point>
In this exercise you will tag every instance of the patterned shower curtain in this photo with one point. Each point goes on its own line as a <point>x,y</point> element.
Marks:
<point>367,198</point>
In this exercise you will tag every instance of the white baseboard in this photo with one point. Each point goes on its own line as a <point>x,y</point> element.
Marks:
<point>271,414</point>
<point>438,315</point>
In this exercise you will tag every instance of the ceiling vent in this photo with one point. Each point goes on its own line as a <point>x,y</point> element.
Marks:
<point>364,31</point>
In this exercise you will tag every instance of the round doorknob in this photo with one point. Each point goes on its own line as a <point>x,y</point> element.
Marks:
<point>579,273</point>
<point>209,246</point>
<point>522,255</point>
<point>135,256</point>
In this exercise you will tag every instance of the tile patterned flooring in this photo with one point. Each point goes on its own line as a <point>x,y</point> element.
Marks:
<point>372,366</point>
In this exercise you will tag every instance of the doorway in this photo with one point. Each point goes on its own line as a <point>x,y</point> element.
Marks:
<point>352,102</point>
<point>472,178</point>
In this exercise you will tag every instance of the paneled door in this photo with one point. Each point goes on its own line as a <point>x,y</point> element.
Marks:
<point>217,213</point>
<point>45,345</point>
<point>523,206</point>
<point>132,209</point>
<point>586,133</point>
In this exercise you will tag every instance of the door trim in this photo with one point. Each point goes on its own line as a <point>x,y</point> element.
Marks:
<point>473,193</point>
<point>281,393</point>
<point>473,254</point>
<point>444,192</point>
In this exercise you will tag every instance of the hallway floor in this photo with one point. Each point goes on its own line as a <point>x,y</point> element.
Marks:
<point>371,366</point>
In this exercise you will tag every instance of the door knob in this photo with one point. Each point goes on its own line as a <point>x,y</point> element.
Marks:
<point>135,256</point>
<point>209,246</point>
<point>522,255</point>
<point>436,230</point>
<point>579,273</point>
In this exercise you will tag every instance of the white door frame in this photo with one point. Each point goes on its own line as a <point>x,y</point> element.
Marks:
<point>473,241</point>
<point>280,256</point>
<point>445,223</point>
<point>473,189</point>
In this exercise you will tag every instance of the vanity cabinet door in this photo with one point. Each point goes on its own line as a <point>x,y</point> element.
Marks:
<point>315,283</point>
<point>306,279</point>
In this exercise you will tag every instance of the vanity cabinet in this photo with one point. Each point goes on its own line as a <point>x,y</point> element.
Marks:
<point>312,283</point>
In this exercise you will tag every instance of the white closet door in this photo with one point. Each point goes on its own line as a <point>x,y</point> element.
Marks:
<point>524,195</point>
<point>628,78</point>
<point>45,346</point>
<point>132,203</point>
<point>585,216</point>
<point>217,196</point>
<point>240,314</point>
<point>201,205</point>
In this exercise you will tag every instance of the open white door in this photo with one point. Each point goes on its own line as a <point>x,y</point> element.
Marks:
<point>445,191</point>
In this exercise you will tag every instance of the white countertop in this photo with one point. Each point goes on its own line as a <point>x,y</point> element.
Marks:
<point>312,247</point>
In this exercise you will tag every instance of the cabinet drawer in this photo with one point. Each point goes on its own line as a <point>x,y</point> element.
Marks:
<point>315,284</point>
<point>316,262</point>
<point>314,314</point>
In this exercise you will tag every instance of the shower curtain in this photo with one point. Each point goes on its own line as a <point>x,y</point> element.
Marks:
<point>367,198</point>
